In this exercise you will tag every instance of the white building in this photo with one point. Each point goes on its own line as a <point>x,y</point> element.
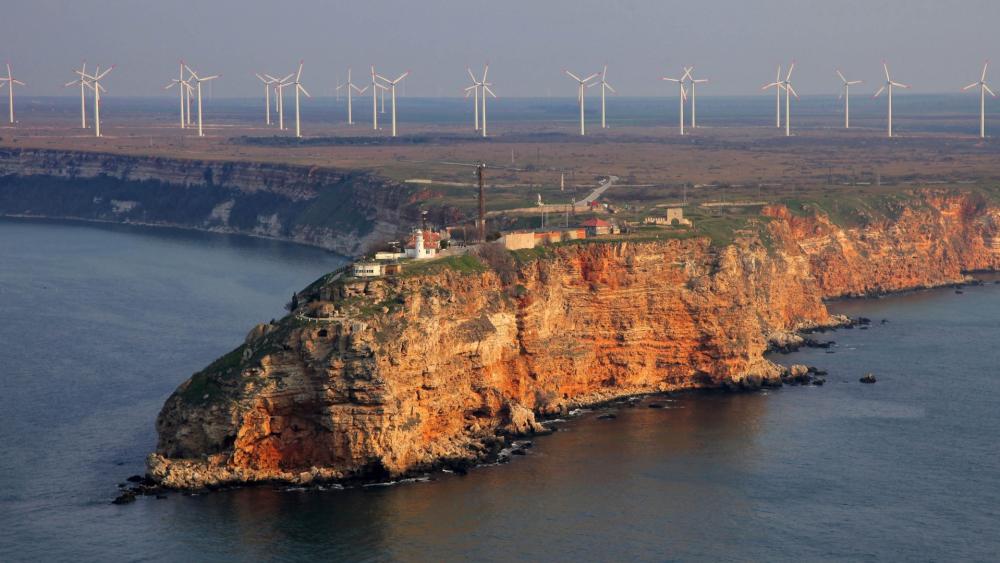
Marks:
<point>367,269</point>
<point>417,250</point>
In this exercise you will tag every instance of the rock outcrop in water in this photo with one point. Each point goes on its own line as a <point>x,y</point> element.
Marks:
<point>343,211</point>
<point>436,367</point>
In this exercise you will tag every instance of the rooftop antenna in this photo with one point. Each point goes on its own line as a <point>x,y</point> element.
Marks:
<point>983,89</point>
<point>889,84</point>
<point>10,81</point>
<point>582,82</point>
<point>83,94</point>
<point>846,95</point>
<point>198,80</point>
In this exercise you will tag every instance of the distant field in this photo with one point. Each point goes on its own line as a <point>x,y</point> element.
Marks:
<point>737,155</point>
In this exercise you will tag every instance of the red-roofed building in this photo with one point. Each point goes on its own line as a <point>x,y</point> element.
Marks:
<point>596,226</point>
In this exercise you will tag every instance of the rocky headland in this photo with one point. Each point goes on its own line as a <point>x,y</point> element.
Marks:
<point>441,366</point>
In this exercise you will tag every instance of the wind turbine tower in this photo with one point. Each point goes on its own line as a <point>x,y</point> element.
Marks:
<point>983,89</point>
<point>888,86</point>
<point>582,82</point>
<point>10,81</point>
<point>198,80</point>
<point>392,86</point>
<point>604,87</point>
<point>299,88</point>
<point>83,94</point>
<point>694,100</point>
<point>846,95</point>
<point>351,86</point>
<point>268,81</point>
<point>778,87</point>
<point>681,96</point>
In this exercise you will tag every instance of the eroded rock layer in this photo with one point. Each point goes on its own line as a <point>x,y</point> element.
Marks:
<point>408,372</point>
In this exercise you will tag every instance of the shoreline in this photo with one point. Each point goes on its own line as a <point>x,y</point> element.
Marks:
<point>164,226</point>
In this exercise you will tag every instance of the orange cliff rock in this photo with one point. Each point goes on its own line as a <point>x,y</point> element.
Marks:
<point>412,372</point>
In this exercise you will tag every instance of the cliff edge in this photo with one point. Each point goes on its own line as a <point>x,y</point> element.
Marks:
<point>383,377</point>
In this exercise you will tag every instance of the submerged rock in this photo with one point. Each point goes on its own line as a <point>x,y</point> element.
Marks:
<point>868,378</point>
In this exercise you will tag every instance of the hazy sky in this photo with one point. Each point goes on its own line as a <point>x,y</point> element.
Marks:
<point>935,45</point>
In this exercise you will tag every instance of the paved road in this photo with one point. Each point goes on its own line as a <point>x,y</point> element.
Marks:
<point>598,191</point>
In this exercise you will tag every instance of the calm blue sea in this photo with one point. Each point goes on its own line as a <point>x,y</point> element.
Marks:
<point>100,324</point>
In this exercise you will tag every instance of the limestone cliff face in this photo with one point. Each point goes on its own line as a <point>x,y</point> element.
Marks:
<point>340,210</point>
<point>412,371</point>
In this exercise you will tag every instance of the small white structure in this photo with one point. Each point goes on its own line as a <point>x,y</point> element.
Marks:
<point>389,256</point>
<point>367,269</point>
<point>417,250</point>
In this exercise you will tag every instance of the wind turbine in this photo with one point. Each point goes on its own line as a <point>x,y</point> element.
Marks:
<point>198,80</point>
<point>694,99</point>
<point>778,87</point>
<point>486,90</point>
<point>83,94</point>
<point>392,86</point>
<point>983,89</point>
<point>268,81</point>
<point>279,85</point>
<point>94,83</point>
<point>785,85</point>
<point>300,88</point>
<point>375,88</point>
<point>604,86</point>
<point>182,86</point>
<point>350,86</point>
<point>580,96</point>
<point>888,86</point>
<point>682,96</point>
<point>846,94</point>
<point>10,81</point>
<point>475,101</point>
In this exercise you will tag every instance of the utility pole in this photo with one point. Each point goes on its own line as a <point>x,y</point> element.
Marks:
<point>481,225</point>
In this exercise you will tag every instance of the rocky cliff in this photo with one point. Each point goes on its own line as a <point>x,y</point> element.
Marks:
<point>438,365</point>
<point>343,211</point>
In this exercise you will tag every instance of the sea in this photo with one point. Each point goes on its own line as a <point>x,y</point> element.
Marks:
<point>100,323</point>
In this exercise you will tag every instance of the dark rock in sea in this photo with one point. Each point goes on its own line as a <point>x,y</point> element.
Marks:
<point>885,321</point>
<point>862,328</point>
<point>633,401</point>
<point>135,479</point>
<point>607,416</point>
<point>868,378</point>
<point>124,498</point>
<point>831,351</point>
<point>797,374</point>
<point>655,405</point>
<point>816,371</point>
<point>959,291</point>
<point>861,321</point>
<point>161,497</point>
<point>517,452</point>
<point>818,381</point>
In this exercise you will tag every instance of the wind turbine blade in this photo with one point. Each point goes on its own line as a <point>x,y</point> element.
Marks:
<point>304,91</point>
<point>287,78</point>
<point>841,96</point>
<point>298,74</point>
<point>472,76</point>
<point>886,68</point>
<point>486,71</point>
<point>853,82</point>
<point>778,78</point>
<point>789,75</point>
<point>573,76</point>
<point>592,84</point>
<point>700,81</point>
<point>191,72</point>
<point>792,90</point>
<point>212,77</point>
<point>900,85</point>
<point>990,91</point>
<point>610,88</point>
<point>359,90</point>
<point>604,73</point>
<point>470,88</point>
<point>591,77</point>
<point>402,76</point>
<point>841,75</point>
<point>668,79</point>
<point>105,73</point>
<point>271,78</point>
<point>879,93</point>
<point>487,89</point>
<point>985,65</point>
<point>973,85</point>
<point>687,72</point>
